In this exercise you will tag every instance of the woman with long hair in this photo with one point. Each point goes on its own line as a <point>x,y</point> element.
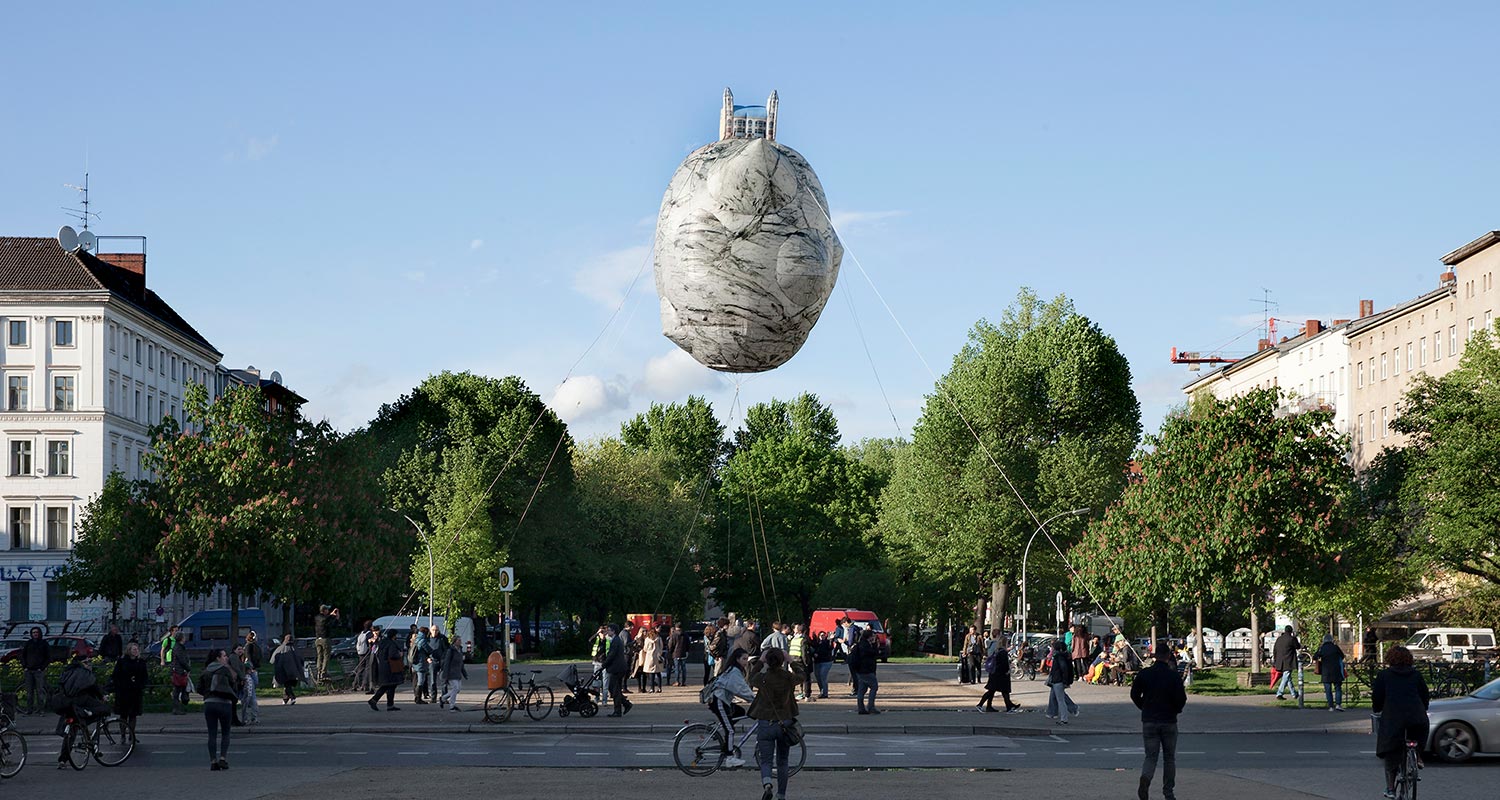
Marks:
<point>1399,697</point>
<point>129,680</point>
<point>287,665</point>
<point>220,690</point>
<point>729,685</point>
<point>775,709</point>
<point>651,660</point>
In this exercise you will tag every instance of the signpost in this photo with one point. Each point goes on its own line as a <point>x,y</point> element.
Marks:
<point>508,585</point>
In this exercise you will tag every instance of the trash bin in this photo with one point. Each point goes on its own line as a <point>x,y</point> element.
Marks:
<point>495,672</point>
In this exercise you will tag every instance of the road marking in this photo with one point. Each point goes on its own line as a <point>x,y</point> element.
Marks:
<point>413,753</point>
<point>527,753</point>
<point>1251,752</point>
<point>950,754</point>
<point>1070,753</point>
<point>1189,752</point>
<point>890,754</point>
<point>830,754</point>
<point>1367,752</point>
<point>580,753</point>
<point>652,754</point>
<point>1010,754</point>
<point>1312,752</point>
<point>355,753</point>
<point>476,753</point>
<point>291,752</point>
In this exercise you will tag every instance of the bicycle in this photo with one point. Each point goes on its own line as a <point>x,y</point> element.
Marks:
<point>538,700</point>
<point>12,743</point>
<point>1406,773</point>
<point>698,749</point>
<point>106,740</point>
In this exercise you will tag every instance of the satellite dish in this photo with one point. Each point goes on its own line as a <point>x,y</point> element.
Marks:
<point>86,239</point>
<point>68,238</point>
<point>276,377</point>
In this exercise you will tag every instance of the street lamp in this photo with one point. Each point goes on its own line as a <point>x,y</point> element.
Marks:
<point>431,597</point>
<point>1077,512</point>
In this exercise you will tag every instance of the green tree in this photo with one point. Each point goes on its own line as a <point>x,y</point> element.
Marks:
<point>687,437</point>
<point>1045,397</point>
<point>793,507</point>
<point>1234,498</point>
<point>115,553</point>
<point>1452,484</point>
<point>224,494</point>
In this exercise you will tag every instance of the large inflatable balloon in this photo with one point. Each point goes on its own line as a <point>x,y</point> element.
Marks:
<point>746,256</point>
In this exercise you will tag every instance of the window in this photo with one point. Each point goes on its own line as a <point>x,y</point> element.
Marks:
<point>18,333</point>
<point>19,396</point>
<point>137,351</point>
<point>20,529</point>
<point>151,410</point>
<point>174,369</point>
<point>150,357</point>
<point>57,528</point>
<point>213,632</point>
<point>113,331</point>
<point>62,393</point>
<point>114,456</point>
<point>1385,423</point>
<point>109,399</point>
<point>62,332</point>
<point>57,457</point>
<point>1359,430</point>
<point>1437,345</point>
<point>1458,640</point>
<point>1359,374</point>
<point>1452,340</point>
<point>1383,366</point>
<point>137,415</point>
<point>57,601</point>
<point>1489,318</point>
<point>1471,330</point>
<point>1410,365</point>
<point>1396,361</point>
<point>20,457</point>
<point>20,601</point>
<point>1422,351</point>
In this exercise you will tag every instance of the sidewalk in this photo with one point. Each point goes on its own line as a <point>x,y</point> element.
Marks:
<point>913,699</point>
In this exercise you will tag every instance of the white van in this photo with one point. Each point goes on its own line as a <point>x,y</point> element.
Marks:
<point>1450,644</point>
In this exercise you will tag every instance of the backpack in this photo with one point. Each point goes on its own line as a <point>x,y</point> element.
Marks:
<point>707,692</point>
<point>76,681</point>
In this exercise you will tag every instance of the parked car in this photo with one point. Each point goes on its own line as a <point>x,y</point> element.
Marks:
<point>9,645</point>
<point>1463,727</point>
<point>1450,644</point>
<point>59,648</point>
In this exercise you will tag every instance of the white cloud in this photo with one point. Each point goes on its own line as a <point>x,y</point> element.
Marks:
<point>585,396</point>
<point>415,276</point>
<point>675,375</point>
<point>476,244</point>
<point>260,148</point>
<point>606,278</point>
<point>849,219</point>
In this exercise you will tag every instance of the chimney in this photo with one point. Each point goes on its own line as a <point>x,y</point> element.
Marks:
<point>133,262</point>
<point>1339,322</point>
<point>1263,344</point>
<point>1313,327</point>
<point>1447,277</point>
<point>1366,308</point>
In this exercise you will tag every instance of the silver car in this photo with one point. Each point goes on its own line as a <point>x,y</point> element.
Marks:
<point>1465,726</point>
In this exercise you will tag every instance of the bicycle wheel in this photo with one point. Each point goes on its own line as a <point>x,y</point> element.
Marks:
<point>498,705</point>
<point>539,703</point>
<point>1406,776</point>
<point>112,742</point>
<point>697,748</point>
<point>79,746</point>
<point>12,752</point>
<point>795,756</point>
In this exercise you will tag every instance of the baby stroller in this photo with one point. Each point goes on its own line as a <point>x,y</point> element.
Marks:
<point>583,695</point>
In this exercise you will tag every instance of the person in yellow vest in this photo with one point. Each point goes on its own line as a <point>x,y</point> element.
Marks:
<point>168,642</point>
<point>798,652</point>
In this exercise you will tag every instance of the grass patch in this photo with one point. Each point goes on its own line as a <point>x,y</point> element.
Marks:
<point>1225,683</point>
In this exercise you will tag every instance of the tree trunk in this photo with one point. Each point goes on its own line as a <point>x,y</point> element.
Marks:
<point>979,610</point>
<point>1198,637</point>
<point>1254,638</point>
<point>999,598</point>
<point>234,618</point>
<point>286,618</point>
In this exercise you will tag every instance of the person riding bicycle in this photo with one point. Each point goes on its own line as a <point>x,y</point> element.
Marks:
<point>1399,697</point>
<point>80,697</point>
<point>729,685</point>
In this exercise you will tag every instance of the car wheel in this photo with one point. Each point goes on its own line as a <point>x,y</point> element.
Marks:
<point>1454,742</point>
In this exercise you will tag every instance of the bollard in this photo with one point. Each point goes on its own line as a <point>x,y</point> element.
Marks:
<point>1301,686</point>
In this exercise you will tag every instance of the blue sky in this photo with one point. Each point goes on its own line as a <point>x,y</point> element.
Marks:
<point>361,197</point>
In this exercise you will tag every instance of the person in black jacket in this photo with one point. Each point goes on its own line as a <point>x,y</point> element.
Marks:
<point>1059,678</point>
<point>863,660</point>
<point>677,652</point>
<point>390,669</point>
<point>1399,697</point>
<point>112,646</point>
<point>1284,659</point>
<point>1157,691</point>
<point>1330,661</point>
<point>34,660</point>
<point>129,680</point>
<point>617,666</point>
<point>997,663</point>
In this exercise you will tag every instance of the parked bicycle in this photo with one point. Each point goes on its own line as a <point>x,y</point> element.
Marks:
<point>12,743</point>
<point>107,741</point>
<point>698,749</point>
<point>537,699</point>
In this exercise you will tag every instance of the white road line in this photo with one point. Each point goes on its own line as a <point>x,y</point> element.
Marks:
<point>1312,752</point>
<point>830,754</point>
<point>355,753</point>
<point>1189,752</point>
<point>1070,753</point>
<point>580,753</point>
<point>652,754</point>
<point>1251,752</point>
<point>527,753</point>
<point>950,754</point>
<point>291,752</point>
<point>890,754</point>
<point>413,753</point>
<point>1010,754</point>
<point>474,753</point>
<point>1367,752</point>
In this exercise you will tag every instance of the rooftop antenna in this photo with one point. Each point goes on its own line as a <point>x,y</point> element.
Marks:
<point>83,213</point>
<point>1266,304</point>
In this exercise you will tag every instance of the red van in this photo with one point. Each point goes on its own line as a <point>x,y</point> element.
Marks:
<point>827,619</point>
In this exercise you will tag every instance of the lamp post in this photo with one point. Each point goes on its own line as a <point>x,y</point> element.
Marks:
<point>1025,608</point>
<point>431,597</point>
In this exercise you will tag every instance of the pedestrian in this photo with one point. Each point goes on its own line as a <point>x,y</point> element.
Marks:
<point>253,657</point>
<point>601,649</point>
<point>1399,697</point>
<point>997,664</point>
<point>729,685</point>
<point>822,648</point>
<point>1328,662</point>
<point>1370,646</point>
<point>217,684</point>
<point>286,666</point>
<point>677,651</point>
<point>638,658</point>
<point>1284,657</point>
<point>863,661</point>
<point>362,650</point>
<point>129,679</point>
<point>34,660</point>
<point>1157,691</point>
<point>418,651</point>
<point>749,639</point>
<point>716,637</point>
<point>617,666</point>
<point>180,670</point>
<point>774,707</point>
<point>651,660</point>
<point>844,640</point>
<point>627,652</point>
<point>111,647</point>
<point>1080,650</point>
<point>322,621</point>
<point>965,662</point>
<point>82,697</point>
<point>237,667</point>
<point>390,663</point>
<point>168,644</point>
<point>777,638</point>
<point>453,674</point>
<point>1059,678</point>
<point>798,652</point>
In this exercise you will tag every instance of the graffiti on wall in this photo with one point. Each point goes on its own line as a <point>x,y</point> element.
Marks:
<point>9,574</point>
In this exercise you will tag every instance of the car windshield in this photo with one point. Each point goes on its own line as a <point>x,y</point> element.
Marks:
<point>1418,641</point>
<point>1489,691</point>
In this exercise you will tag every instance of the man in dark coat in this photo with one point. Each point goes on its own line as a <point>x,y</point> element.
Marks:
<point>1059,678</point>
<point>617,666</point>
<point>390,668</point>
<point>998,665</point>
<point>112,646</point>
<point>34,660</point>
<point>677,651</point>
<point>1284,659</point>
<point>1399,697</point>
<point>1157,691</point>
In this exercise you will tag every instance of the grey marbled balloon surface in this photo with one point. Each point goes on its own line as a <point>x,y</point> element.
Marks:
<point>746,256</point>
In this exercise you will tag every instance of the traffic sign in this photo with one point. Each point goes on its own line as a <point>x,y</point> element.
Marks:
<point>507,579</point>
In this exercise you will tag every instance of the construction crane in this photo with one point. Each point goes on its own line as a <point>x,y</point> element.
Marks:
<point>1195,359</point>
